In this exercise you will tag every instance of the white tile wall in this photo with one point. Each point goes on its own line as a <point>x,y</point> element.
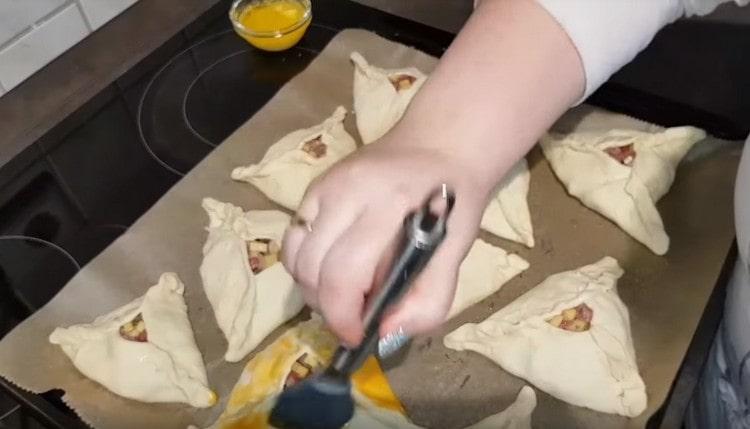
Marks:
<point>34,32</point>
<point>98,12</point>
<point>16,16</point>
<point>38,47</point>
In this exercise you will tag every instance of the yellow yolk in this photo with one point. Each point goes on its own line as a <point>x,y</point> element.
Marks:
<point>253,421</point>
<point>264,376</point>
<point>371,382</point>
<point>274,16</point>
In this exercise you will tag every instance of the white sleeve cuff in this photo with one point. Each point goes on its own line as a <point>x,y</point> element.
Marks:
<point>704,7</point>
<point>609,34</point>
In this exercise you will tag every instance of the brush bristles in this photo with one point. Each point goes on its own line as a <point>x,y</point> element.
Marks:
<point>318,403</point>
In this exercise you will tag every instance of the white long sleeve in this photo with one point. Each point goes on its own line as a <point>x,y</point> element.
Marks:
<point>609,33</point>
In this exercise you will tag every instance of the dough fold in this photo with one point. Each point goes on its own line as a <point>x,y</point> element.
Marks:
<point>595,368</point>
<point>624,192</point>
<point>291,163</point>
<point>483,272</point>
<point>379,102</point>
<point>165,366</point>
<point>507,215</point>
<point>247,306</point>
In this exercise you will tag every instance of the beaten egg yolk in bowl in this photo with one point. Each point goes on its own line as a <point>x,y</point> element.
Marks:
<point>271,25</point>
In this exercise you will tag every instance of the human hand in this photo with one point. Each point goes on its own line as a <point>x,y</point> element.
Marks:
<point>355,212</point>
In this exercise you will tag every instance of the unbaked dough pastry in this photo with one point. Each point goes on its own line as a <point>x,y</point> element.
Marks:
<point>293,162</point>
<point>622,174</point>
<point>307,348</point>
<point>249,289</point>
<point>144,350</point>
<point>570,337</point>
<point>507,215</point>
<point>295,355</point>
<point>381,96</point>
<point>483,272</point>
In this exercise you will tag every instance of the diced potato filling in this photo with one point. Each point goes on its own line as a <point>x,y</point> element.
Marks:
<point>402,82</point>
<point>262,253</point>
<point>302,368</point>
<point>625,155</point>
<point>135,330</point>
<point>315,148</point>
<point>576,319</point>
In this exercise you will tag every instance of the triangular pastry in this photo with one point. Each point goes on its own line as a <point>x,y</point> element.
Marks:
<point>250,291</point>
<point>144,350</point>
<point>483,272</point>
<point>381,96</point>
<point>295,355</point>
<point>570,337</point>
<point>290,164</point>
<point>622,174</point>
<point>507,215</point>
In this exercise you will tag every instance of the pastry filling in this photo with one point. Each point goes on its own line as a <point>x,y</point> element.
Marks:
<point>262,253</point>
<point>576,319</point>
<point>315,148</point>
<point>625,155</point>
<point>402,82</point>
<point>135,330</point>
<point>302,368</point>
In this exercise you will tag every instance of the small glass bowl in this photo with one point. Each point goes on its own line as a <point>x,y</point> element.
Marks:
<point>277,39</point>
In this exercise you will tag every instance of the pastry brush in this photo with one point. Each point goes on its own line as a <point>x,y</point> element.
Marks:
<point>325,401</point>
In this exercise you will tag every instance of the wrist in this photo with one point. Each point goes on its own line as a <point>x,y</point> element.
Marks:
<point>458,155</point>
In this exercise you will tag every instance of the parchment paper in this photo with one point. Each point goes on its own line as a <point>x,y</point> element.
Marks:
<point>440,388</point>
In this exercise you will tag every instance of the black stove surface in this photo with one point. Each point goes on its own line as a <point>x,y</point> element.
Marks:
<point>77,193</point>
<point>76,190</point>
<point>208,90</point>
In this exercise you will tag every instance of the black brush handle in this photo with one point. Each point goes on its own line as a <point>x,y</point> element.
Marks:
<point>422,233</point>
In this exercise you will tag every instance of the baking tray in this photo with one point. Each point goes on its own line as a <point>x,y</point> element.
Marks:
<point>464,387</point>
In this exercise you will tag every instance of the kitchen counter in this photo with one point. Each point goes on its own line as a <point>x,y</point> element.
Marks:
<point>40,103</point>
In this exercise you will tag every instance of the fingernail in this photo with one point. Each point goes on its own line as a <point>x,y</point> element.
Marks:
<point>392,342</point>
